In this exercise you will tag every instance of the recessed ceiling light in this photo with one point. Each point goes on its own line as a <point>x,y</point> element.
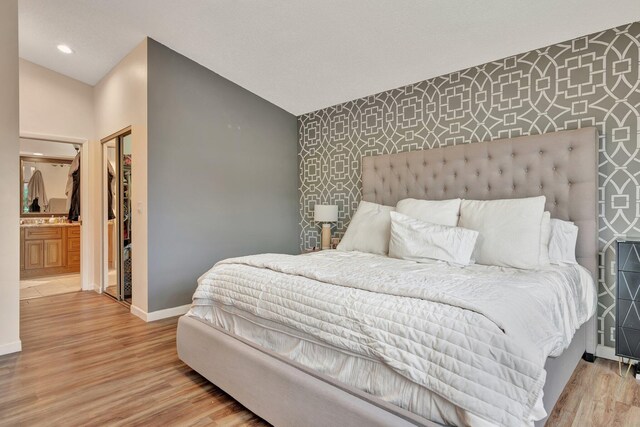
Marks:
<point>38,154</point>
<point>65,49</point>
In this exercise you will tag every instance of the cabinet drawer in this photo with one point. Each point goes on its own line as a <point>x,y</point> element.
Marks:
<point>41,233</point>
<point>73,244</point>
<point>73,259</point>
<point>629,285</point>
<point>629,314</point>
<point>628,343</point>
<point>629,256</point>
<point>73,231</point>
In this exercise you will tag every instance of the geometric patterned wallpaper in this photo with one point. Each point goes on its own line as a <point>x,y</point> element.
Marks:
<point>589,81</point>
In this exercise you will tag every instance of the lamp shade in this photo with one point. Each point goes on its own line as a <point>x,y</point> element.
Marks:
<point>325,213</point>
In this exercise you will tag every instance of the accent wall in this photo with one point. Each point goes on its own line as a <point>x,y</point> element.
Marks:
<point>588,81</point>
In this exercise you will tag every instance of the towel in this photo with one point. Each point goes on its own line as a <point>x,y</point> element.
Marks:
<point>35,190</point>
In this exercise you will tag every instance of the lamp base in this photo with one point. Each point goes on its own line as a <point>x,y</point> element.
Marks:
<point>326,236</point>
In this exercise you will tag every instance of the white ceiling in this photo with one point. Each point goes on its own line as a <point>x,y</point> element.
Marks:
<point>303,55</point>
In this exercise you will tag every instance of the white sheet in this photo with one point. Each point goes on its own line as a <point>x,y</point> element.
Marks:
<point>477,337</point>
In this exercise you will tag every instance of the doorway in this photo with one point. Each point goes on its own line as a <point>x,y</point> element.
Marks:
<point>117,216</point>
<point>50,221</point>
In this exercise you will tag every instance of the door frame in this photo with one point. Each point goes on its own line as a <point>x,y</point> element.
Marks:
<point>88,222</point>
<point>104,242</point>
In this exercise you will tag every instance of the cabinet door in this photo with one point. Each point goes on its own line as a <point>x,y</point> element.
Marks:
<point>33,254</point>
<point>53,253</point>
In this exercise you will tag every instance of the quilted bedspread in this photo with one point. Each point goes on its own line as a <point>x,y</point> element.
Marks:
<point>477,336</point>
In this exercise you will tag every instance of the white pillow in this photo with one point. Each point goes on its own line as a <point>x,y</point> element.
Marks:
<point>545,236</point>
<point>562,244</point>
<point>368,230</point>
<point>417,240</point>
<point>509,230</point>
<point>444,212</point>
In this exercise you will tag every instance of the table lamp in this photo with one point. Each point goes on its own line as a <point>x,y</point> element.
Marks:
<point>325,214</point>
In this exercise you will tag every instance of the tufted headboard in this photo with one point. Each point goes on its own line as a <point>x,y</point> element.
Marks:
<point>561,166</point>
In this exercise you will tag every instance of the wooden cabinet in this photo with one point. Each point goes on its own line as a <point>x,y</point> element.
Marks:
<point>33,254</point>
<point>73,244</point>
<point>48,250</point>
<point>43,232</point>
<point>53,253</point>
<point>73,250</point>
<point>21,250</point>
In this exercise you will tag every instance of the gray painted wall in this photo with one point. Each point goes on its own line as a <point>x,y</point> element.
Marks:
<point>589,81</point>
<point>9,177</point>
<point>223,178</point>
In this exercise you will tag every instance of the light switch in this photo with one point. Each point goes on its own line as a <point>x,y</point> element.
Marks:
<point>139,208</point>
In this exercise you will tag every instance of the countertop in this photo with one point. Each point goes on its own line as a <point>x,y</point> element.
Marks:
<point>75,224</point>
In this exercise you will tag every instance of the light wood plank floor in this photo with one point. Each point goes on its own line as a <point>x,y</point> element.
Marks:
<point>596,395</point>
<point>86,361</point>
<point>127,373</point>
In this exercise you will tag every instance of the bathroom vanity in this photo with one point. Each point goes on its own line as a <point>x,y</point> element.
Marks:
<point>49,249</point>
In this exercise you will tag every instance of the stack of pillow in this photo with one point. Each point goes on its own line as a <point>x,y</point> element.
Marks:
<point>507,233</point>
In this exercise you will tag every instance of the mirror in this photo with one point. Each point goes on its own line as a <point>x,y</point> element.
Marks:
<point>43,183</point>
<point>110,204</point>
<point>116,217</point>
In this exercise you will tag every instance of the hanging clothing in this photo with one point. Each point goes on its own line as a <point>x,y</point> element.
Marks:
<point>74,209</point>
<point>34,207</point>
<point>111,186</point>
<point>36,192</point>
<point>75,164</point>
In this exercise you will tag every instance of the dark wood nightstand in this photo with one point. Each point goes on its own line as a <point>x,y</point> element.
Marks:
<point>628,299</point>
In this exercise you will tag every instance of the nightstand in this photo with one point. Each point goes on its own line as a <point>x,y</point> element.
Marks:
<point>628,299</point>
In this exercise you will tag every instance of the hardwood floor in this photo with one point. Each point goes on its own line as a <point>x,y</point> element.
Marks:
<point>126,372</point>
<point>596,395</point>
<point>87,362</point>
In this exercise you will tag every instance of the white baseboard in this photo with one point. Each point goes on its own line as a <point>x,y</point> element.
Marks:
<point>606,352</point>
<point>12,347</point>
<point>91,287</point>
<point>160,314</point>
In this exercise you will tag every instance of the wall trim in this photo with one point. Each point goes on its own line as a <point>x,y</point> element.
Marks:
<point>606,352</point>
<point>160,314</point>
<point>12,347</point>
<point>54,138</point>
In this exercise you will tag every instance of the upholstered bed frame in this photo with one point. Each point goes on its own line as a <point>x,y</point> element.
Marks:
<point>562,166</point>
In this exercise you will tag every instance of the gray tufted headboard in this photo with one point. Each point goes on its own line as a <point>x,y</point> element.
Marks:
<point>561,166</point>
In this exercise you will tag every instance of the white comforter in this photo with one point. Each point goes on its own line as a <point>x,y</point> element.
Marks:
<point>477,336</point>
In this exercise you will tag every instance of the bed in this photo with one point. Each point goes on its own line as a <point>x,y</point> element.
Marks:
<point>270,366</point>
